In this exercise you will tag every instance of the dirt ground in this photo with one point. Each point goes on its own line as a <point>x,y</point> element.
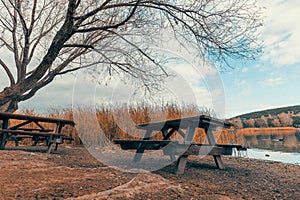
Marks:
<point>72,173</point>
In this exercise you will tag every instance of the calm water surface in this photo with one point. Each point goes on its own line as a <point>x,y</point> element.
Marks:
<point>280,147</point>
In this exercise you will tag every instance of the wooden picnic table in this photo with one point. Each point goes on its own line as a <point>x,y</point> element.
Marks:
<point>181,148</point>
<point>19,130</point>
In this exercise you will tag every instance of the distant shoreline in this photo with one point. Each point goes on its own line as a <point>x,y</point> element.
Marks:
<point>268,131</point>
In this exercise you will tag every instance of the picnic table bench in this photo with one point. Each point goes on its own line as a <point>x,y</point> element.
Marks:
<point>18,132</point>
<point>184,148</point>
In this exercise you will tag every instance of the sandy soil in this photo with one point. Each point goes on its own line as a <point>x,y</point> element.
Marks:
<point>71,172</point>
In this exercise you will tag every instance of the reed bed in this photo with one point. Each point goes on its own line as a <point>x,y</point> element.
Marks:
<point>101,125</point>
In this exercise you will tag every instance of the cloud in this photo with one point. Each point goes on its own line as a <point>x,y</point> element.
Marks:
<point>245,69</point>
<point>239,83</point>
<point>56,94</point>
<point>272,81</point>
<point>188,85</point>
<point>247,91</point>
<point>281,32</point>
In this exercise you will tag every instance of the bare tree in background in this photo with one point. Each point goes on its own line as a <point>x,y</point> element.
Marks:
<point>41,39</point>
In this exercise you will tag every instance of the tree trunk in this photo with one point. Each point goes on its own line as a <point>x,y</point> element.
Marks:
<point>8,100</point>
<point>11,107</point>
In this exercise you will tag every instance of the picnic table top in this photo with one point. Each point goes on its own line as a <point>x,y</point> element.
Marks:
<point>201,121</point>
<point>5,116</point>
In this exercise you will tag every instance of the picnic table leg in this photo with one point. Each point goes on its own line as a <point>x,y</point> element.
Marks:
<point>4,125</point>
<point>182,160</point>
<point>56,146</point>
<point>17,142</point>
<point>139,153</point>
<point>166,136</point>
<point>218,161</point>
<point>3,140</point>
<point>140,150</point>
<point>36,140</point>
<point>49,143</point>
<point>181,163</point>
<point>49,147</point>
<point>212,142</point>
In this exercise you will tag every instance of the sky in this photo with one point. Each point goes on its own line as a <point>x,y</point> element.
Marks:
<point>271,81</point>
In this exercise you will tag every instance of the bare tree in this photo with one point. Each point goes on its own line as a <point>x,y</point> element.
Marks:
<point>41,39</point>
<point>285,119</point>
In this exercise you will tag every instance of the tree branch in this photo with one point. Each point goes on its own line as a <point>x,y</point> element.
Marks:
<point>142,52</point>
<point>80,19</point>
<point>62,35</point>
<point>15,40</point>
<point>111,26</point>
<point>32,17</point>
<point>85,46</point>
<point>8,72</point>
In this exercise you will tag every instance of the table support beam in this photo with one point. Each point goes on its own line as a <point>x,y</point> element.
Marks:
<point>140,150</point>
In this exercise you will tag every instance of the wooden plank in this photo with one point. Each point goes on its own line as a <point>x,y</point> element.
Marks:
<point>21,132</point>
<point>147,144</point>
<point>177,147</point>
<point>36,129</point>
<point>193,149</point>
<point>68,138</point>
<point>35,118</point>
<point>20,125</point>
<point>200,121</point>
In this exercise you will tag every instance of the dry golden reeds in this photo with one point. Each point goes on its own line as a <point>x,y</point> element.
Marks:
<point>103,124</point>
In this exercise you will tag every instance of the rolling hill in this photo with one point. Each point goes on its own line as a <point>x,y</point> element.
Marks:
<point>277,117</point>
<point>273,112</point>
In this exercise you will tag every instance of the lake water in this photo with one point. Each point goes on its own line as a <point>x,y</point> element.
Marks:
<point>282,147</point>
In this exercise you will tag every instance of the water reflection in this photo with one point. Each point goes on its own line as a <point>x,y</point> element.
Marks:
<point>283,142</point>
<point>293,158</point>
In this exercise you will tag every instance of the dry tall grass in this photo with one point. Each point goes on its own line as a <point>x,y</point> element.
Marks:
<point>106,123</point>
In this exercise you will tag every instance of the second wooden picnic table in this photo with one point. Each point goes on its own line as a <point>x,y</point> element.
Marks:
<point>181,148</point>
<point>18,131</point>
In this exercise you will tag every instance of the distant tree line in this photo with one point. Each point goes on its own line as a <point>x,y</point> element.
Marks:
<point>272,112</point>
<point>283,119</point>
